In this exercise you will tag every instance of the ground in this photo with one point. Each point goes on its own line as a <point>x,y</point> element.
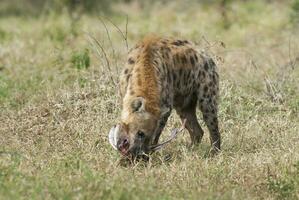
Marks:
<point>58,101</point>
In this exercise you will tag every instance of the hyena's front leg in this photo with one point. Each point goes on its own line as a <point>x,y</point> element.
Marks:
<point>161,124</point>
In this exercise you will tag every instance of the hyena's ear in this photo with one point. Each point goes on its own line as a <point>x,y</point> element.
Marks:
<point>137,104</point>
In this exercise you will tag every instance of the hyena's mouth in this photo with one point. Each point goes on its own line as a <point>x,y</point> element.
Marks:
<point>138,151</point>
<point>124,147</point>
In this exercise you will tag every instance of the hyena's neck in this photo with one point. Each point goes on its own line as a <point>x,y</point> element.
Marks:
<point>144,80</point>
<point>144,84</point>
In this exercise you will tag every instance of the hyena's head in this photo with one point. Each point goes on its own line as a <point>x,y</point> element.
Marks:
<point>136,131</point>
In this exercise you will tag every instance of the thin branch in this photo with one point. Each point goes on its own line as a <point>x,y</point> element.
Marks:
<point>127,21</point>
<point>124,36</point>
<point>105,56</point>
<point>111,44</point>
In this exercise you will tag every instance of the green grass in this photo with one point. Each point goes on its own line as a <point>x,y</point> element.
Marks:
<point>81,60</point>
<point>58,102</point>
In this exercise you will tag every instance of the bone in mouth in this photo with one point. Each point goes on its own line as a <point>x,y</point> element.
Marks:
<point>113,137</point>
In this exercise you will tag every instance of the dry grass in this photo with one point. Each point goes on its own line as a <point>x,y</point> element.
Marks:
<point>54,118</point>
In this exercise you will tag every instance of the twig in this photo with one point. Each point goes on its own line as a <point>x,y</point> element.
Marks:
<point>111,44</point>
<point>124,36</point>
<point>127,21</point>
<point>173,135</point>
<point>105,56</point>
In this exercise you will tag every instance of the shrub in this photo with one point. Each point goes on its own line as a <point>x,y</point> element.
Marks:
<point>81,59</point>
<point>295,12</point>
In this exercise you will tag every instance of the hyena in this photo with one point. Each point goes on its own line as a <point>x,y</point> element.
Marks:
<point>162,74</point>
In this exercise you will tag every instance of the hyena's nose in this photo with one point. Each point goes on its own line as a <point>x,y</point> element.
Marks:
<point>123,145</point>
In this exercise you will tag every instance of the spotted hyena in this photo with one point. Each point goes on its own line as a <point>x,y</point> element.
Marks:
<point>162,74</point>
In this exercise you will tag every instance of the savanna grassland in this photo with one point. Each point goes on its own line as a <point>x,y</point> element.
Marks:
<point>58,100</point>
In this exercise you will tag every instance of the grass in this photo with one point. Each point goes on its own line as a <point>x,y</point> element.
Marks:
<point>58,103</point>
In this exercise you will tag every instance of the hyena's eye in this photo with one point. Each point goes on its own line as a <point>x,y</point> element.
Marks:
<point>140,134</point>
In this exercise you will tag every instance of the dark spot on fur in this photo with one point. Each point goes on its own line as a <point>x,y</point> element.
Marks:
<point>178,84</point>
<point>206,66</point>
<point>192,76</point>
<point>126,71</point>
<point>169,76</point>
<point>131,61</point>
<point>192,61</point>
<point>174,77</point>
<point>215,119</point>
<point>180,72</point>
<point>184,59</point>
<point>214,77</point>
<point>132,92</point>
<point>195,57</point>
<point>178,43</point>
<point>177,58</point>
<point>128,77</point>
<point>206,110</point>
<point>208,63</point>
<point>215,130</point>
<point>186,75</point>
<point>199,74</point>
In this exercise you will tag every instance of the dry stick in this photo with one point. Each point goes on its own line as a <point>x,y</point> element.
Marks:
<point>173,135</point>
<point>127,21</point>
<point>97,51</point>
<point>124,36</point>
<point>105,56</point>
<point>114,57</point>
<point>113,53</point>
<point>111,44</point>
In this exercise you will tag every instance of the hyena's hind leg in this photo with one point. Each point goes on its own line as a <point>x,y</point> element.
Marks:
<point>188,113</point>
<point>208,106</point>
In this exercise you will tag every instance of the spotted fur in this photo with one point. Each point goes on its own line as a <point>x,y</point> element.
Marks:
<point>162,74</point>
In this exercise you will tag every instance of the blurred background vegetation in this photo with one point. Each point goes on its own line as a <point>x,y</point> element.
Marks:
<point>58,99</point>
<point>35,8</point>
